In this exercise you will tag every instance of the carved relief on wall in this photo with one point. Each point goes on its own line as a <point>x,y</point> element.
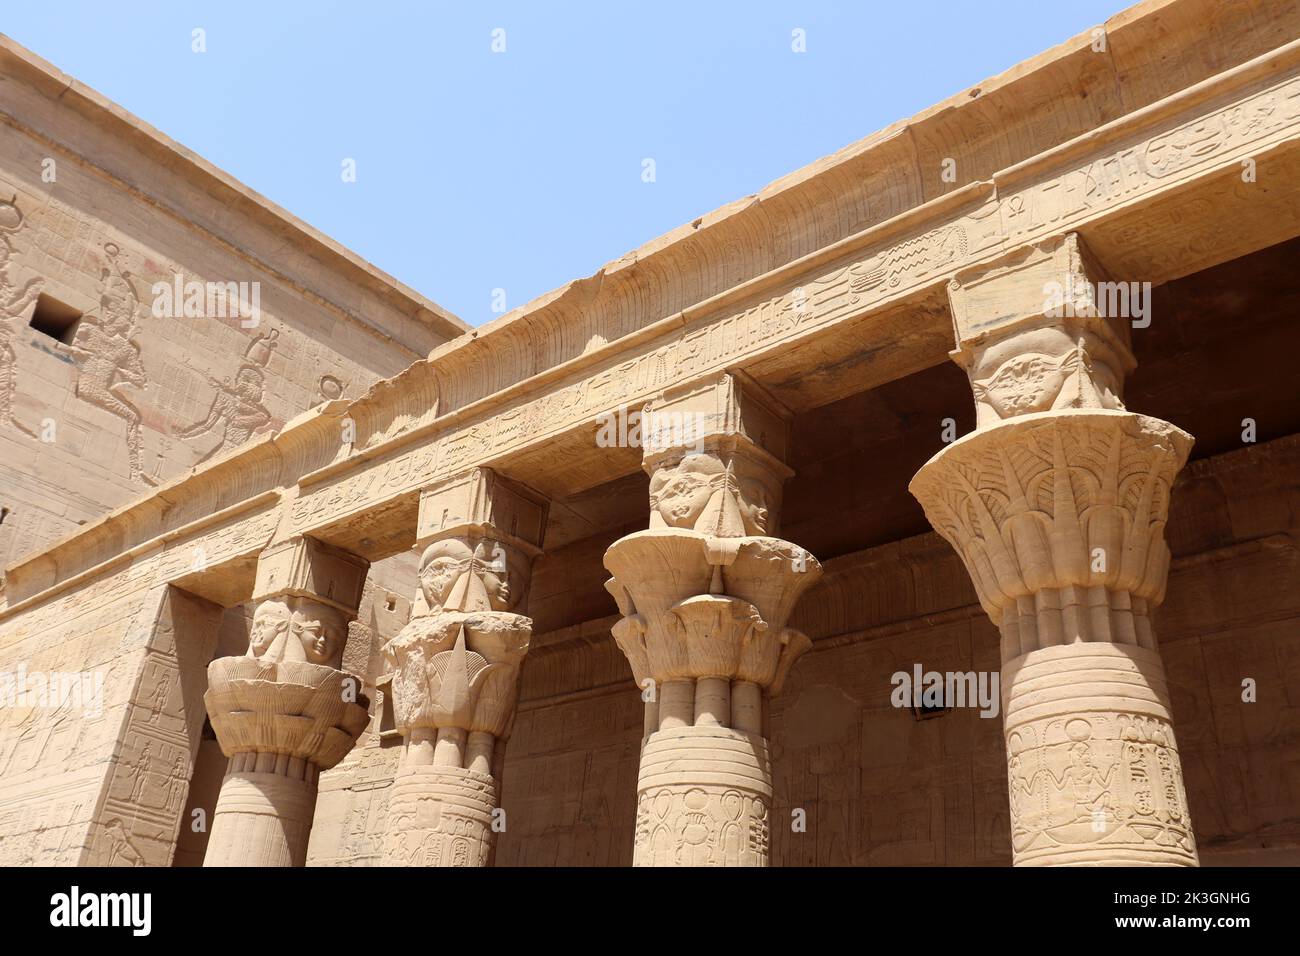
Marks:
<point>14,302</point>
<point>237,412</point>
<point>108,358</point>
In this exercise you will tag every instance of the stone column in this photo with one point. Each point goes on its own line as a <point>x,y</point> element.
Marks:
<point>1057,505</point>
<point>285,710</point>
<point>455,669</point>
<point>705,594</point>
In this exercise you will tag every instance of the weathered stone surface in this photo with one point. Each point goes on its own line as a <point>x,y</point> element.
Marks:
<point>383,557</point>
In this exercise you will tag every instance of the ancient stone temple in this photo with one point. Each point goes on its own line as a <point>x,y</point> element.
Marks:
<point>937,505</point>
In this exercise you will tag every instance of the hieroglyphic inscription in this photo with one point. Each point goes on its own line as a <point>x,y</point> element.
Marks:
<point>1139,167</point>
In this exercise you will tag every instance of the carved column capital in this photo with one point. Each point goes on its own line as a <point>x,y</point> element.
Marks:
<point>714,456</point>
<point>705,593</point>
<point>284,711</point>
<point>455,666</point>
<point>1057,504</point>
<point>1059,518</point>
<point>1040,330</point>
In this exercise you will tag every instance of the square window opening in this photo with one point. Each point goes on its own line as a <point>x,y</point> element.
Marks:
<point>55,319</point>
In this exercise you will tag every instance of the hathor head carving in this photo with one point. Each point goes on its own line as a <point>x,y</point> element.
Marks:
<point>1042,369</point>
<point>271,623</point>
<point>306,631</point>
<point>456,577</point>
<point>321,634</point>
<point>702,493</point>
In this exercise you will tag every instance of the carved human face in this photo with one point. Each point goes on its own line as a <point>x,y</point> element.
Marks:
<point>320,636</point>
<point>441,566</point>
<point>270,620</point>
<point>753,508</point>
<point>1080,755</point>
<point>681,493</point>
<point>1042,369</point>
<point>493,567</point>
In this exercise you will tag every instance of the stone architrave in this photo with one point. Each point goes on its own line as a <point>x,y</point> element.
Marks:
<point>285,710</point>
<point>455,669</point>
<point>705,593</point>
<point>1057,505</point>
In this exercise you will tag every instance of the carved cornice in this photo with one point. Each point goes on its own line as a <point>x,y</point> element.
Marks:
<point>1128,162</point>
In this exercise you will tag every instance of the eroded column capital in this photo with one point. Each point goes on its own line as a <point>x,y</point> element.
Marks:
<point>1041,329</point>
<point>456,664</point>
<point>454,668</point>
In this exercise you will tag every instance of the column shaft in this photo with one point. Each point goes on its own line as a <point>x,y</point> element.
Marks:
<point>263,819</point>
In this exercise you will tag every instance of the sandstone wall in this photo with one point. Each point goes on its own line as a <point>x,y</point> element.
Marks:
<point>95,208</point>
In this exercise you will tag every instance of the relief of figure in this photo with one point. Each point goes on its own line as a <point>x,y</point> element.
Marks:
<point>121,851</point>
<point>108,359</point>
<point>1089,786</point>
<point>1020,788</point>
<point>141,772</point>
<point>158,698</point>
<point>236,409</point>
<point>14,301</point>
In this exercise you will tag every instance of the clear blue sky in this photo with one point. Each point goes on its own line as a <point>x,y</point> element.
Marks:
<point>522,170</point>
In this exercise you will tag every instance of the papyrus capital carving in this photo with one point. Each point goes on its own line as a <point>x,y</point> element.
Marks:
<point>1057,505</point>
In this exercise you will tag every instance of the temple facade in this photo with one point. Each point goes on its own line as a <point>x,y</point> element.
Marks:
<point>937,505</point>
